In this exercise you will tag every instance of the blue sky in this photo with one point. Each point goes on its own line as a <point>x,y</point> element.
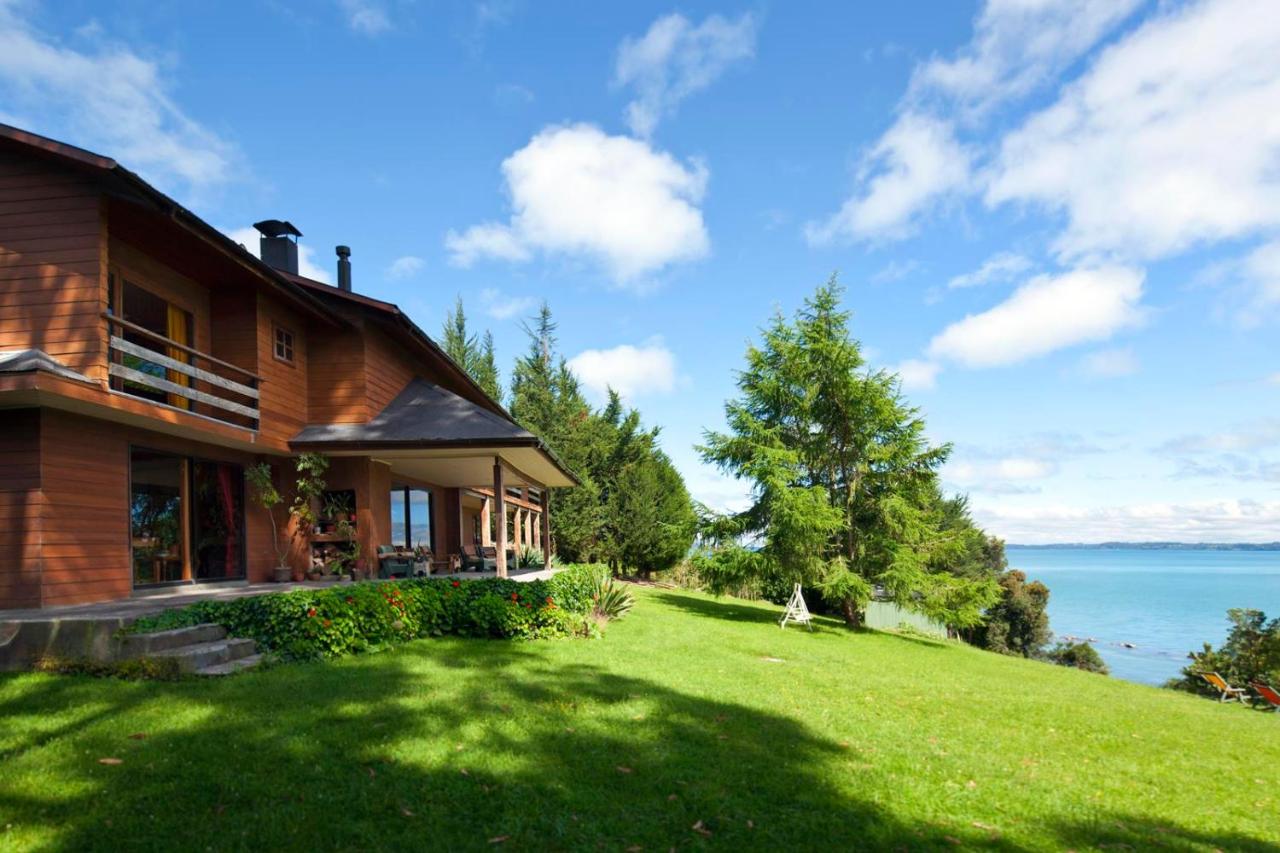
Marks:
<point>1059,220</point>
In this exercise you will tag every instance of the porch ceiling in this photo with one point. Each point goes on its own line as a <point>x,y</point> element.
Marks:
<point>432,434</point>
<point>472,467</point>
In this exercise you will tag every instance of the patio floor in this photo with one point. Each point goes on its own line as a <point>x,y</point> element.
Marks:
<point>153,602</point>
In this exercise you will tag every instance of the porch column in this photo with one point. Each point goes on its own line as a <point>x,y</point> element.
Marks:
<point>537,532</point>
<point>499,494</point>
<point>486,538</point>
<point>546,529</point>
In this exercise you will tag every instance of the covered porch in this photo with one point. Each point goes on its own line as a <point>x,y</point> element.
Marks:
<point>438,472</point>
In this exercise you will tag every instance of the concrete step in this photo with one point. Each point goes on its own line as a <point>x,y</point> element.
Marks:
<point>143,645</point>
<point>197,656</point>
<point>231,667</point>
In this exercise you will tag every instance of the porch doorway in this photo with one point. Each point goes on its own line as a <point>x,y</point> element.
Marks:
<point>186,519</point>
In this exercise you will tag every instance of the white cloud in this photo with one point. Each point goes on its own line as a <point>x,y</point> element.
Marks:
<point>917,374</point>
<point>974,474</point>
<point>1208,521</point>
<point>1110,363</point>
<point>1259,435</point>
<point>1045,314</point>
<point>630,370</point>
<point>501,306</point>
<point>1017,47</point>
<point>675,59</point>
<point>1169,140</point>
<point>1274,379</point>
<point>896,270</point>
<point>576,191</point>
<point>405,267</point>
<point>1002,266</point>
<point>366,17</point>
<point>307,267</point>
<point>108,98</point>
<point>917,161</point>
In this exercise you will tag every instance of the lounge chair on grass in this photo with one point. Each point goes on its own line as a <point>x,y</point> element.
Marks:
<point>1226,693</point>
<point>1267,694</point>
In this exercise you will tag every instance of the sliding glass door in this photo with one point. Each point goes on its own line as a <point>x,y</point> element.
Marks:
<point>217,515</point>
<point>411,518</point>
<point>186,519</point>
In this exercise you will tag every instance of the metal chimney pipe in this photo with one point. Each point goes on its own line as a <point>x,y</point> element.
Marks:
<point>344,267</point>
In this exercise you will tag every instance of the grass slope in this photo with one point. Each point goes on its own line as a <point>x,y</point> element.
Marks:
<point>676,719</point>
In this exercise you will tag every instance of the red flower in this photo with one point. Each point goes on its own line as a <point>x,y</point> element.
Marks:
<point>457,583</point>
<point>515,596</point>
<point>549,601</point>
<point>350,600</point>
<point>311,612</point>
<point>528,607</point>
<point>327,623</point>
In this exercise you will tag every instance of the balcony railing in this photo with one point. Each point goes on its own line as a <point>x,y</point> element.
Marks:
<point>163,367</point>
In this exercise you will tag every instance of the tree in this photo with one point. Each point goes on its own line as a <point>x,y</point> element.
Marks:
<point>547,400</point>
<point>472,354</point>
<point>651,515</point>
<point>1017,625</point>
<point>845,493</point>
<point>1251,653</point>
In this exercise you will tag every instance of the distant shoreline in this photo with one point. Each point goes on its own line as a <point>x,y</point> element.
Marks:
<point>1155,546</point>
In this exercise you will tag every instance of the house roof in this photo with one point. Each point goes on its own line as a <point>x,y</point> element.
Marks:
<point>125,184</point>
<point>426,417</point>
<point>32,360</point>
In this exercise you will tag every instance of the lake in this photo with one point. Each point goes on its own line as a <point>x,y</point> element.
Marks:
<point>1165,603</point>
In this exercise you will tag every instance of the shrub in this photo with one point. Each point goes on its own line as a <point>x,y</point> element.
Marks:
<point>611,601</point>
<point>138,669</point>
<point>306,624</point>
<point>1080,655</point>
<point>1251,653</point>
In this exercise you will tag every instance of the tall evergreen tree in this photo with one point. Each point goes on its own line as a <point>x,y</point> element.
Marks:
<point>472,354</point>
<point>845,483</point>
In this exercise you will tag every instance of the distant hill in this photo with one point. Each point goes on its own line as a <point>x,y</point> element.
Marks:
<point>1160,546</point>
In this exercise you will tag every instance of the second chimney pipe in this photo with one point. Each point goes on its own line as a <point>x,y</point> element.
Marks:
<point>344,267</point>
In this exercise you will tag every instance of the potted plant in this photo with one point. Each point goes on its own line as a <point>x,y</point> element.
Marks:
<point>264,493</point>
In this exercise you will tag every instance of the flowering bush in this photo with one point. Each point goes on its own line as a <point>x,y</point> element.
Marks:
<point>315,623</point>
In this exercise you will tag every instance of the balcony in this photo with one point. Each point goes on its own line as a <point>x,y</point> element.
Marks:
<point>153,367</point>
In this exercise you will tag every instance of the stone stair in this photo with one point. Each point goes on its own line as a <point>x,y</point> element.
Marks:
<point>200,649</point>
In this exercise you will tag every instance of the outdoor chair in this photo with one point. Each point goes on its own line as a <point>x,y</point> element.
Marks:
<point>392,562</point>
<point>488,559</point>
<point>1268,694</point>
<point>1226,693</point>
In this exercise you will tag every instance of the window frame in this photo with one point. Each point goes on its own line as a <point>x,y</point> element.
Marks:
<point>290,345</point>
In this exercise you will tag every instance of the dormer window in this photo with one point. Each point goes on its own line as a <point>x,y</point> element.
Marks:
<point>284,345</point>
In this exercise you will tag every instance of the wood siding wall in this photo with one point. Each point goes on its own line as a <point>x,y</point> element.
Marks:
<point>52,264</point>
<point>66,501</point>
<point>337,378</point>
<point>283,399</point>
<point>21,508</point>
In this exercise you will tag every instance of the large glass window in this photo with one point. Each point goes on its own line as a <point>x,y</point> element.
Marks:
<point>156,515</point>
<point>186,519</point>
<point>143,308</point>
<point>411,518</point>
<point>217,492</point>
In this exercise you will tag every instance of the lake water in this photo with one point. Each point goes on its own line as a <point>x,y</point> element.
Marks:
<point>1165,603</point>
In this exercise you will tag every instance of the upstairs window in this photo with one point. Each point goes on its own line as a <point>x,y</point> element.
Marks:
<point>284,345</point>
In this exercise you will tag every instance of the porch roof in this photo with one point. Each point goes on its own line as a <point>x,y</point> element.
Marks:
<point>432,434</point>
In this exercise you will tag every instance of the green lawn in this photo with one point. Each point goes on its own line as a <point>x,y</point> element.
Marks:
<point>692,712</point>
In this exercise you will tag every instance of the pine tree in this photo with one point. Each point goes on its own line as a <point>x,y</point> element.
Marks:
<point>474,356</point>
<point>845,482</point>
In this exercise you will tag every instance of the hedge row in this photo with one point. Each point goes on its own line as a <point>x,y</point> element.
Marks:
<point>314,623</point>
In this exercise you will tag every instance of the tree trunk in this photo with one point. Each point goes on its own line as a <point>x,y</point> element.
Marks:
<point>852,616</point>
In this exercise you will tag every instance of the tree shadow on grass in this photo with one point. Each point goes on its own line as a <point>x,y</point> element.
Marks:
<point>731,610</point>
<point>454,744</point>
<point>395,751</point>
